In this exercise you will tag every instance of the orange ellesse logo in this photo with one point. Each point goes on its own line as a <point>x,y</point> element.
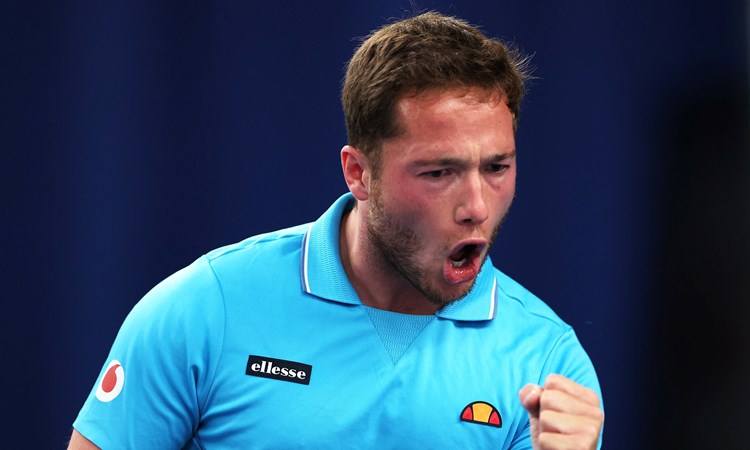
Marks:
<point>482,413</point>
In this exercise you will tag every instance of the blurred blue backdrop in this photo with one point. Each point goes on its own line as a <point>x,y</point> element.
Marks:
<point>137,136</point>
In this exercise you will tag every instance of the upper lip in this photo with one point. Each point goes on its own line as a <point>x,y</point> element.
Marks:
<point>478,242</point>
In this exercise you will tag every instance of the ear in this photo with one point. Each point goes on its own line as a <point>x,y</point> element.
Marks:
<point>356,172</point>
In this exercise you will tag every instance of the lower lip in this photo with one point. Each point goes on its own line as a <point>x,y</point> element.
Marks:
<point>463,274</point>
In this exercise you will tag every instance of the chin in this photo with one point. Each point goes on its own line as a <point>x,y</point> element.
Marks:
<point>447,295</point>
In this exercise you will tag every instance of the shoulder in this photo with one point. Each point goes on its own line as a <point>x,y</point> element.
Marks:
<point>281,241</point>
<point>261,241</point>
<point>536,325</point>
<point>515,300</point>
<point>203,281</point>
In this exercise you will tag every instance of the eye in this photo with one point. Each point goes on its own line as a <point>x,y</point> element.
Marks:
<point>436,173</point>
<point>497,168</point>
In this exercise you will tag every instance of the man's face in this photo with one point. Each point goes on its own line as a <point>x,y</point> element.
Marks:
<point>445,185</point>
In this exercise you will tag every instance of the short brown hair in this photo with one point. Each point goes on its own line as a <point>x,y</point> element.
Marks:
<point>428,51</point>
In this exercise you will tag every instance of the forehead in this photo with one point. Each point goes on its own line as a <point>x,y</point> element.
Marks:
<point>455,119</point>
<point>466,94</point>
<point>431,105</point>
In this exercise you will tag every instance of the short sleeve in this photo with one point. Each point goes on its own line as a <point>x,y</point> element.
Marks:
<point>155,381</point>
<point>567,358</point>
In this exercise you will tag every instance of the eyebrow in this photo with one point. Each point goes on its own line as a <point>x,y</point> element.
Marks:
<point>496,158</point>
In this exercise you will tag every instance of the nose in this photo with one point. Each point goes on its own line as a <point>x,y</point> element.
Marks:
<point>472,206</point>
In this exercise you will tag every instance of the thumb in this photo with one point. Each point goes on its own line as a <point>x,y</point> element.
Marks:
<point>530,396</point>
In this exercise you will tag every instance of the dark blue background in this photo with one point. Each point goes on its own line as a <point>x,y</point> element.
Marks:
<point>138,135</point>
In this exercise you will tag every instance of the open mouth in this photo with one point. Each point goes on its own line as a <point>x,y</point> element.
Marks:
<point>463,263</point>
<point>461,257</point>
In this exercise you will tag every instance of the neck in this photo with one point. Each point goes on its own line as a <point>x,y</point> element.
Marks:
<point>377,283</point>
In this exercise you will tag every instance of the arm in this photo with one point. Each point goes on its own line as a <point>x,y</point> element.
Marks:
<point>562,414</point>
<point>167,350</point>
<point>78,442</point>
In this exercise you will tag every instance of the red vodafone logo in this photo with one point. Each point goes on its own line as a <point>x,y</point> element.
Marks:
<point>111,383</point>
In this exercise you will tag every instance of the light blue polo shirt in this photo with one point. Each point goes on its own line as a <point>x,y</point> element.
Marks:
<point>265,344</point>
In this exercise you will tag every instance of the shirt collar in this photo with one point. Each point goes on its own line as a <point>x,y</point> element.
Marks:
<point>323,275</point>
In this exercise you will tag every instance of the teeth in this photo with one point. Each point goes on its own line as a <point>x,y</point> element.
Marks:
<point>458,263</point>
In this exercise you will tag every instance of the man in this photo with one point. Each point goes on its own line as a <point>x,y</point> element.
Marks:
<point>382,324</point>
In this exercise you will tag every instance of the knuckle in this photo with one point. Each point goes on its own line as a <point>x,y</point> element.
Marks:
<point>544,441</point>
<point>597,415</point>
<point>553,380</point>
<point>592,430</point>
<point>545,419</point>
<point>582,443</point>
<point>592,397</point>
<point>550,399</point>
<point>545,399</point>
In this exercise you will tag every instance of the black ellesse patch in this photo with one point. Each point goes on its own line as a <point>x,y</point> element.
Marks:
<point>278,369</point>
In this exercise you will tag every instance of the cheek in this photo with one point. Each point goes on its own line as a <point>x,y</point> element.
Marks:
<point>509,194</point>
<point>504,195</point>
<point>407,198</point>
<point>424,214</point>
<point>508,187</point>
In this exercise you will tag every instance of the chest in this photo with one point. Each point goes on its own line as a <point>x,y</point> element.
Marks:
<point>353,394</point>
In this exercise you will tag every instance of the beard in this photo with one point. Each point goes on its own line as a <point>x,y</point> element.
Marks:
<point>396,245</point>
